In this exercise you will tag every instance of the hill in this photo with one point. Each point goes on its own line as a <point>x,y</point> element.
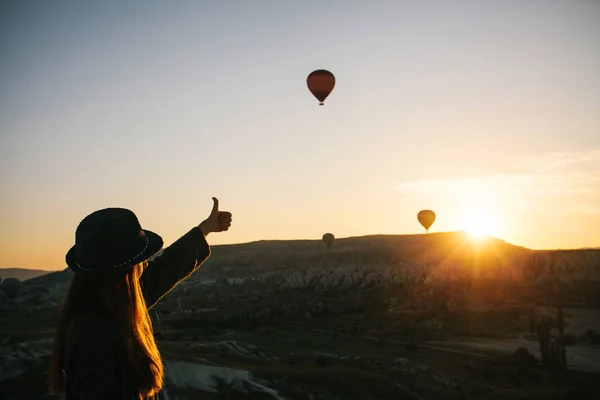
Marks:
<point>21,273</point>
<point>444,248</point>
<point>53,278</point>
<point>578,264</point>
<point>440,252</point>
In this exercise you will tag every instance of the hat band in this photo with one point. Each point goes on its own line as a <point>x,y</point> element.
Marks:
<point>124,262</point>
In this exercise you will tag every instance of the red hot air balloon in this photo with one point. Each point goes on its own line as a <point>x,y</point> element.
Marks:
<point>426,218</point>
<point>320,83</point>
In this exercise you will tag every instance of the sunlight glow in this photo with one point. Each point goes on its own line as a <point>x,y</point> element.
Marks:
<point>479,222</point>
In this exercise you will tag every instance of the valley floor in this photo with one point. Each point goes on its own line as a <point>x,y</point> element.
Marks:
<point>318,360</point>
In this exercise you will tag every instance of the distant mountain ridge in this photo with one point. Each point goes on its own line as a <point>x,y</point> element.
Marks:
<point>53,278</point>
<point>445,249</point>
<point>21,273</point>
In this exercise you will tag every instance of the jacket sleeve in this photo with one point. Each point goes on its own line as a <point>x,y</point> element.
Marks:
<point>93,367</point>
<point>176,263</point>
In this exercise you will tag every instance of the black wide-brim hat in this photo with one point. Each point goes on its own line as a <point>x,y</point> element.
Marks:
<point>111,239</point>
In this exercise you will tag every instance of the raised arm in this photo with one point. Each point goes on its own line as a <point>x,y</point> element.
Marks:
<point>182,258</point>
<point>176,263</point>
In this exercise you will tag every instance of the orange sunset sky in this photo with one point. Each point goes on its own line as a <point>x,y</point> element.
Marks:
<point>486,112</point>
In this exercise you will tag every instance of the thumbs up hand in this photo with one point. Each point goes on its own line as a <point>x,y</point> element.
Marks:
<point>217,221</point>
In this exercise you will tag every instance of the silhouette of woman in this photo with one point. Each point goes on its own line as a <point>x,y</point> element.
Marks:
<point>104,345</point>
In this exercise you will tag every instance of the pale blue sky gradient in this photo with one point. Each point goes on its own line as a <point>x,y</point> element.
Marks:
<point>157,106</point>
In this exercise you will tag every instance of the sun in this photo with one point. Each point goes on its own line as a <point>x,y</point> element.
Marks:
<point>479,222</point>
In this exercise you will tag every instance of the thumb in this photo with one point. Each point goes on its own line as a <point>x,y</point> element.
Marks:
<point>215,208</point>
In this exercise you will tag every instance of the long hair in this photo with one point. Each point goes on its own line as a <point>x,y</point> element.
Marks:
<point>117,297</point>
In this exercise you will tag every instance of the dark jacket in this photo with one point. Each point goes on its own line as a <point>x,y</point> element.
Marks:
<point>95,365</point>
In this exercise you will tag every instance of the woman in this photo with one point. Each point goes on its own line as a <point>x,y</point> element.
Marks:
<point>104,345</point>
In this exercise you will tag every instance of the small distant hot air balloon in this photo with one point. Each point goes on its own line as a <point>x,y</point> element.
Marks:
<point>328,239</point>
<point>11,286</point>
<point>320,83</point>
<point>426,218</point>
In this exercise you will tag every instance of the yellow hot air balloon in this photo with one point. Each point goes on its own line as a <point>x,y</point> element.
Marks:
<point>328,239</point>
<point>426,218</point>
<point>320,83</point>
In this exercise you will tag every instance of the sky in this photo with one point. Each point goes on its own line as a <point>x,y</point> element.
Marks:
<point>487,113</point>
